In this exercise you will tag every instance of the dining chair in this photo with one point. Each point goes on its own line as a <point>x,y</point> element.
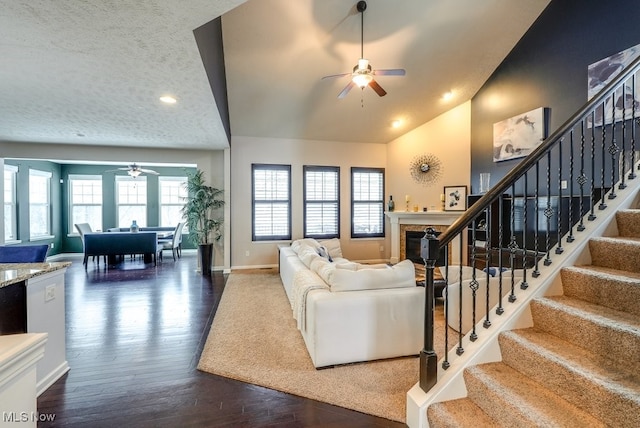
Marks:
<point>174,243</point>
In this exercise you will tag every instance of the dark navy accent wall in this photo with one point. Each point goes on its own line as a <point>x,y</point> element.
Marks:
<point>548,68</point>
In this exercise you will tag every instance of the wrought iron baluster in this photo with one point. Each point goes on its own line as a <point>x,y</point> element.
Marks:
<point>582,178</point>
<point>559,249</point>
<point>473,285</point>
<point>460,348</point>
<point>603,205</point>
<point>613,148</point>
<point>632,171</point>
<point>621,172</point>
<point>500,308</point>
<point>487,218</point>
<point>548,212</point>
<point>570,237</point>
<point>445,362</point>
<point>513,245</point>
<point>536,250</point>
<point>592,215</point>
<point>524,284</point>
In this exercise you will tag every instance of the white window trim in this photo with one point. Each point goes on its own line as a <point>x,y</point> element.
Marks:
<point>70,178</point>
<point>48,175</point>
<point>13,170</point>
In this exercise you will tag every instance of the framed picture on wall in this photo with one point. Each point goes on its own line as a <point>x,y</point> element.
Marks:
<point>517,136</point>
<point>455,198</point>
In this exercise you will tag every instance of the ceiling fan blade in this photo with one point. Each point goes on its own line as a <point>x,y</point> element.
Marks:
<point>374,85</point>
<point>390,72</point>
<point>148,171</point>
<point>336,75</point>
<point>346,89</point>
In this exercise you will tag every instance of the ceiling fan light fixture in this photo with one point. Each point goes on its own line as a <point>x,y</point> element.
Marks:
<point>362,80</point>
<point>134,172</point>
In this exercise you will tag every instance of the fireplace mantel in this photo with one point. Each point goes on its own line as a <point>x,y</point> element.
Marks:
<point>429,218</point>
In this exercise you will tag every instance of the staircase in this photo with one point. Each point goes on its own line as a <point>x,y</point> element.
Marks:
<point>579,365</point>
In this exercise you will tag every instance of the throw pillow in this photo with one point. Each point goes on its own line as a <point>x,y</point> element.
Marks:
<point>322,252</point>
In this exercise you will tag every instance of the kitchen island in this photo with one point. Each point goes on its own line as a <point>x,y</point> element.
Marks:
<point>32,295</point>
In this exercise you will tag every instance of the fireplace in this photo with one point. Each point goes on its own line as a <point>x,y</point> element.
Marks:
<point>413,244</point>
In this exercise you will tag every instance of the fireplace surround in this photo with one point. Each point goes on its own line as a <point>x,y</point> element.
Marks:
<point>403,221</point>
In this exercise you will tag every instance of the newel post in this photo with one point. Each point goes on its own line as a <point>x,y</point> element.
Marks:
<point>429,246</point>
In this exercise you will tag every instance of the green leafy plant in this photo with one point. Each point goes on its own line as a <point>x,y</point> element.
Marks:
<point>200,209</point>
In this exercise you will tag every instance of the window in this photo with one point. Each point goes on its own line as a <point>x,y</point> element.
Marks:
<point>321,202</point>
<point>131,200</point>
<point>173,192</point>
<point>10,206</point>
<point>85,201</point>
<point>39,204</point>
<point>367,202</point>
<point>271,194</point>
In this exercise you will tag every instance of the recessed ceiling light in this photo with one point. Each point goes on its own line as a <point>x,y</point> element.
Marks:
<point>447,95</point>
<point>168,99</point>
<point>396,123</point>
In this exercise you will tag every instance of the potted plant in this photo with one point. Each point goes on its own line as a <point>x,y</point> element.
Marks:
<point>200,211</point>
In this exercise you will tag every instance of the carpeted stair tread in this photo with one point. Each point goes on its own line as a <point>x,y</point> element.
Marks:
<point>592,382</point>
<point>459,413</point>
<point>615,252</point>
<point>606,330</point>
<point>628,222</point>
<point>515,400</point>
<point>608,287</point>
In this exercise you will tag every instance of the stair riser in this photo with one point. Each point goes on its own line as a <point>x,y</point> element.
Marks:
<point>628,223</point>
<point>621,295</point>
<point>611,406</point>
<point>615,255</point>
<point>598,338</point>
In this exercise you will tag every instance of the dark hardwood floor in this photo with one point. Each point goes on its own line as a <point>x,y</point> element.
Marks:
<point>134,338</point>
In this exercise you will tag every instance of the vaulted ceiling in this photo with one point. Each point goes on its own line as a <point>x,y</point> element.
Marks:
<point>91,72</point>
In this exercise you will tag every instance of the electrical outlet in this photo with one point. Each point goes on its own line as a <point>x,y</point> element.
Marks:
<point>51,245</point>
<point>246,253</point>
<point>49,293</point>
<point>381,248</point>
<point>563,184</point>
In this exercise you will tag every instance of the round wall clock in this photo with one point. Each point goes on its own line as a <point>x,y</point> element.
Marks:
<point>425,169</point>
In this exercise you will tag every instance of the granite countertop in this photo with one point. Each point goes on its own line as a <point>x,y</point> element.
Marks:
<point>10,273</point>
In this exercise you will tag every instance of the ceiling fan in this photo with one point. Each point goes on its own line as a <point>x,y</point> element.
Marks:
<point>135,170</point>
<point>362,74</point>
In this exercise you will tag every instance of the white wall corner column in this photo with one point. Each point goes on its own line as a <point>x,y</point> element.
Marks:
<point>420,219</point>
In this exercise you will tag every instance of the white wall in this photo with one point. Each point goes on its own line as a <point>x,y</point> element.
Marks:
<point>248,150</point>
<point>448,138</point>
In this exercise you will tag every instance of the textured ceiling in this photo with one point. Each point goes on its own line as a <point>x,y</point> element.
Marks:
<point>91,71</point>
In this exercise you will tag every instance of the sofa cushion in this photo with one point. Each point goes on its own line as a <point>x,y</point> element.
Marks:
<point>398,276</point>
<point>299,244</point>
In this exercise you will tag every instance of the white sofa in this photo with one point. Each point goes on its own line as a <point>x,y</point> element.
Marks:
<point>348,312</point>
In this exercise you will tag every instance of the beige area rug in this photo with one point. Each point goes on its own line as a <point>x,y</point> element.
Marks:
<point>254,339</point>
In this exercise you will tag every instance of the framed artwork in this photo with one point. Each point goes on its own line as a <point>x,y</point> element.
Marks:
<point>602,72</point>
<point>517,136</point>
<point>455,198</point>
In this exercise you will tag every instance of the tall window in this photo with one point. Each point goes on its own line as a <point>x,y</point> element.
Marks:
<point>85,201</point>
<point>131,200</point>
<point>172,198</point>
<point>10,206</point>
<point>271,194</point>
<point>39,204</point>
<point>321,202</point>
<point>367,202</point>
